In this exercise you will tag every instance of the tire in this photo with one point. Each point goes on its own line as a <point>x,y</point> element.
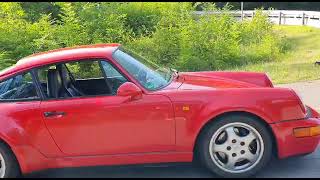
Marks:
<point>252,156</point>
<point>12,169</point>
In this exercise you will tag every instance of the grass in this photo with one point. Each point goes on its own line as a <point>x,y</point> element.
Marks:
<point>297,64</point>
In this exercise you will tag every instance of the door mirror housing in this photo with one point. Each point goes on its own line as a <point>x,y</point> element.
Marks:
<point>130,89</point>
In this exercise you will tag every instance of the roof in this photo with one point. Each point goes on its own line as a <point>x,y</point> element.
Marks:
<point>62,54</point>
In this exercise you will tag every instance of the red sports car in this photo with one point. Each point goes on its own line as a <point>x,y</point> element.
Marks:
<point>105,105</point>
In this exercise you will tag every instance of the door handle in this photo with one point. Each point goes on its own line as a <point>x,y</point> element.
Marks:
<point>53,113</point>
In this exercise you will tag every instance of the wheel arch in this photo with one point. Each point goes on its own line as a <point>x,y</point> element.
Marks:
<point>225,114</point>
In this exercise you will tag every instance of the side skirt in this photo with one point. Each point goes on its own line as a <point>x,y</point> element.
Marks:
<point>148,159</point>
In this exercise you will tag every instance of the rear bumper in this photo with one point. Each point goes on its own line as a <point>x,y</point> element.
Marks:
<point>289,145</point>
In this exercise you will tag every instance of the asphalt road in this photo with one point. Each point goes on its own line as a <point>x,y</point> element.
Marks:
<point>306,166</point>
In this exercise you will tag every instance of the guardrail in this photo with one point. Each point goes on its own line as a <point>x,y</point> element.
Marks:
<point>284,17</point>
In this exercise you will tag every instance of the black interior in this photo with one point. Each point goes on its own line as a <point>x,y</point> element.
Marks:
<point>97,86</point>
<point>61,83</point>
<point>93,86</point>
<point>68,82</point>
<point>54,88</point>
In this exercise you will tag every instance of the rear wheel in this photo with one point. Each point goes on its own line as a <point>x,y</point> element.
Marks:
<point>235,146</point>
<point>9,167</point>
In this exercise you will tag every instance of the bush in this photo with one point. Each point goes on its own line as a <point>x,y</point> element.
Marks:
<point>18,37</point>
<point>5,60</point>
<point>258,41</point>
<point>141,17</point>
<point>166,33</point>
<point>210,42</point>
<point>90,23</point>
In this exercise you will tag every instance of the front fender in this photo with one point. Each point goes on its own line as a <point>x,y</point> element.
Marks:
<point>194,109</point>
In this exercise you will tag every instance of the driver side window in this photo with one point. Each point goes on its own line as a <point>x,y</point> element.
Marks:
<point>73,79</point>
<point>80,78</point>
<point>114,77</point>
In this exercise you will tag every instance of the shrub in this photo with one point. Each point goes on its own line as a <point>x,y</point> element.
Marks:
<point>209,42</point>
<point>19,37</point>
<point>166,33</point>
<point>258,40</point>
<point>5,60</point>
<point>141,17</point>
<point>163,45</point>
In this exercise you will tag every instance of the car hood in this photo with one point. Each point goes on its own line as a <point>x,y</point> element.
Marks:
<point>215,79</point>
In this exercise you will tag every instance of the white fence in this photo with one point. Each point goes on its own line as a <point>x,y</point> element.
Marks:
<point>285,17</point>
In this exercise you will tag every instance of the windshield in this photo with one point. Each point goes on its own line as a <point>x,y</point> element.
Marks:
<point>149,75</point>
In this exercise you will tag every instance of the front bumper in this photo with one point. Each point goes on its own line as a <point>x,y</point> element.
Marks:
<point>289,145</point>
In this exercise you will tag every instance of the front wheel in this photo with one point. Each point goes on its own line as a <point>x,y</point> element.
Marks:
<point>235,146</point>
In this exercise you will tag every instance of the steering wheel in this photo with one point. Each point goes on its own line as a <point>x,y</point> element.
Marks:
<point>73,80</point>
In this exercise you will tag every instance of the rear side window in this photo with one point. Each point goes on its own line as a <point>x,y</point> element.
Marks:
<point>85,69</point>
<point>19,87</point>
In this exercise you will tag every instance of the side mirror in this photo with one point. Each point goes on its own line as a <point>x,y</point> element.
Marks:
<point>130,89</point>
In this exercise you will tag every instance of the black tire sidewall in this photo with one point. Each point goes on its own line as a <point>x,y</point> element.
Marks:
<point>203,146</point>
<point>12,167</point>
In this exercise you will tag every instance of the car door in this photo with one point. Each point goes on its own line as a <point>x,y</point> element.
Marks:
<point>105,124</point>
